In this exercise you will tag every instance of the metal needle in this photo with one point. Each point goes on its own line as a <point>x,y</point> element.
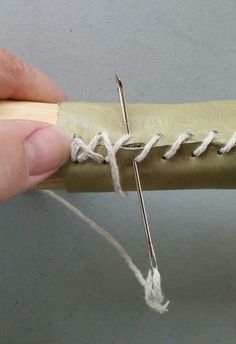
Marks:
<point>152,256</point>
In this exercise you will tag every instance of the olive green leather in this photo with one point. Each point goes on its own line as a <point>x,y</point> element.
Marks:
<point>183,171</point>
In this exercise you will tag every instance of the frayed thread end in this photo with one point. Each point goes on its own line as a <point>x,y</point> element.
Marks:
<point>153,294</point>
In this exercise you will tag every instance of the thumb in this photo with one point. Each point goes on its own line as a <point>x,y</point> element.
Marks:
<point>30,152</point>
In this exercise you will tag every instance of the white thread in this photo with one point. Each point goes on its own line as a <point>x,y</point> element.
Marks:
<point>153,293</point>
<point>205,143</point>
<point>77,144</point>
<point>176,145</point>
<point>151,285</point>
<point>88,152</point>
<point>229,145</point>
<point>84,155</point>
<point>119,144</point>
<point>113,163</point>
<point>147,148</point>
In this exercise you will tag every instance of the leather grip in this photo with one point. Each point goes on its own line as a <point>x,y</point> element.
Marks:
<point>210,170</point>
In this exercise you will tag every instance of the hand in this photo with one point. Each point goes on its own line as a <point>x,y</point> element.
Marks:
<point>30,151</point>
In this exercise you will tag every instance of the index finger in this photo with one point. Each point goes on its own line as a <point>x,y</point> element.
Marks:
<point>21,81</point>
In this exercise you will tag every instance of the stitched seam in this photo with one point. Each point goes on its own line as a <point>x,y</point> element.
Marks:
<point>80,151</point>
<point>78,144</point>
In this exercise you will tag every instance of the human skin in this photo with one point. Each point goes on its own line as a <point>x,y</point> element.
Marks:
<point>30,151</point>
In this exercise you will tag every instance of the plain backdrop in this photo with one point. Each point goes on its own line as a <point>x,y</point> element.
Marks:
<point>59,281</point>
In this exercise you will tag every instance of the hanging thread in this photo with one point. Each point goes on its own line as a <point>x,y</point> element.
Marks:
<point>151,284</point>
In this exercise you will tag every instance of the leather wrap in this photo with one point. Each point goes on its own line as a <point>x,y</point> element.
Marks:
<point>183,171</point>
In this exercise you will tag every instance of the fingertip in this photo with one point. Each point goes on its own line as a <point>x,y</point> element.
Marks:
<point>36,86</point>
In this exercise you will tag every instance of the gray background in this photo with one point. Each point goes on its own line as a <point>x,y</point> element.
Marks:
<point>59,281</point>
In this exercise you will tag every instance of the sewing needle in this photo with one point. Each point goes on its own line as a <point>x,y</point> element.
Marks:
<point>152,256</point>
